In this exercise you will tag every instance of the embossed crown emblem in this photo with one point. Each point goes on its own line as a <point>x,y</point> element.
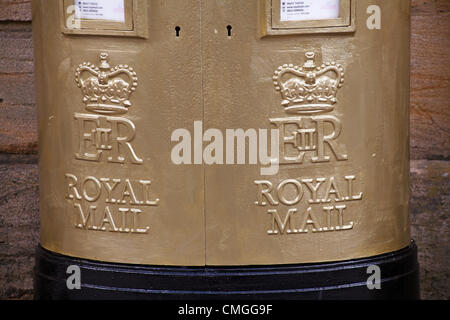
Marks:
<point>106,89</point>
<point>309,89</point>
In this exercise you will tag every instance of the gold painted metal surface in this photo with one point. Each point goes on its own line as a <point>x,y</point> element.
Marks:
<point>340,101</point>
<point>167,96</point>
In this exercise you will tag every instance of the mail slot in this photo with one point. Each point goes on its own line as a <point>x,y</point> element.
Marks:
<point>224,149</point>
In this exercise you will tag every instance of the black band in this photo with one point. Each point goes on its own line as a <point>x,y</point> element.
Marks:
<point>337,280</point>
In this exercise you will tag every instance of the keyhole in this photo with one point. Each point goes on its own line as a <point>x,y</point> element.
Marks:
<point>229,30</point>
<point>177,30</point>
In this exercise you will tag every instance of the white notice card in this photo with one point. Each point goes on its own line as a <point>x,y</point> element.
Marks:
<point>109,10</point>
<point>300,10</point>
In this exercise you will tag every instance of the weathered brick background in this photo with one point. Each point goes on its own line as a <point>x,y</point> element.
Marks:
<point>430,147</point>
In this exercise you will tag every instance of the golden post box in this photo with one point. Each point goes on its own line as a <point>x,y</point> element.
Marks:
<point>224,149</point>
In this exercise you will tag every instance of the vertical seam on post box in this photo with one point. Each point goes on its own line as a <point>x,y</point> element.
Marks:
<point>203,120</point>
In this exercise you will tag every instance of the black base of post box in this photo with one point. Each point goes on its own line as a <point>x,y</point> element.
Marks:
<point>321,281</point>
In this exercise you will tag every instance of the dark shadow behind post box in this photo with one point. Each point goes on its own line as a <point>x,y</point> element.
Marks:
<point>117,80</point>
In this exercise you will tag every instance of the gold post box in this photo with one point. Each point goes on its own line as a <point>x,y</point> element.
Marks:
<point>258,136</point>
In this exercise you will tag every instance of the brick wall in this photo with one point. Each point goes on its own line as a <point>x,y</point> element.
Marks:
<point>430,147</point>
